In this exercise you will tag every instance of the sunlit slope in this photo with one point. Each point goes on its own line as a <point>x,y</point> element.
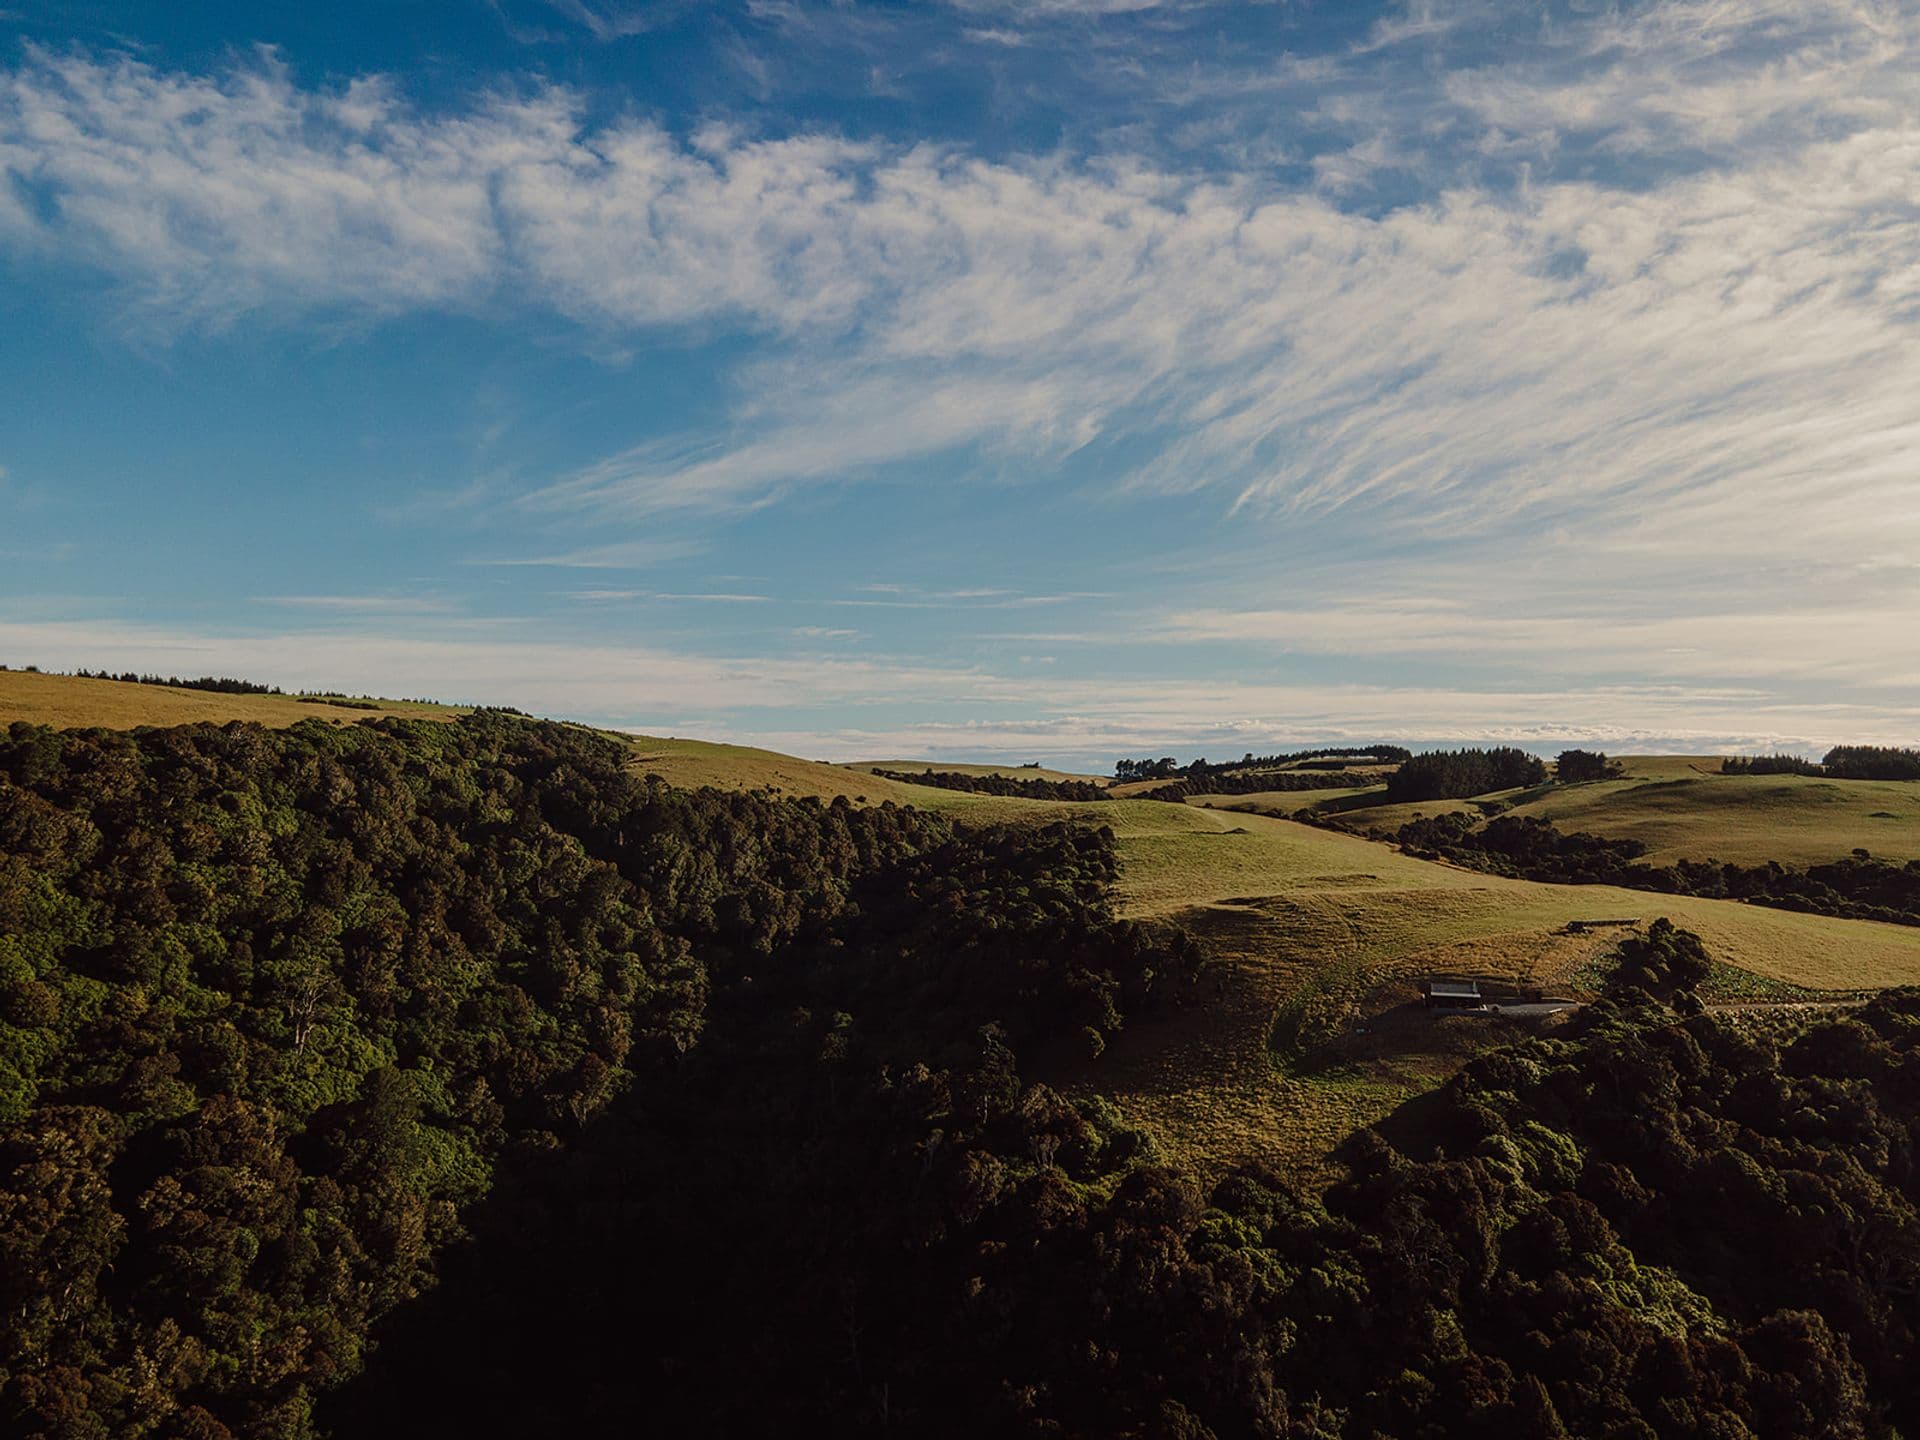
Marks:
<point>1178,857</point>
<point>742,767</point>
<point>693,763</point>
<point>1678,806</point>
<point>1746,819</point>
<point>1398,903</point>
<point>66,702</point>
<point>1303,1033</point>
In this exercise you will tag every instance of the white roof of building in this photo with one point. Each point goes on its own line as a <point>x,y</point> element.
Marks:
<point>1454,987</point>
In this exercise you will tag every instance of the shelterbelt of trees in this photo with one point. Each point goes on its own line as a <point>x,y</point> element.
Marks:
<point>218,684</point>
<point>1458,774</point>
<point>1019,786</point>
<point>1843,762</point>
<point>404,1079</point>
<point>1856,886</point>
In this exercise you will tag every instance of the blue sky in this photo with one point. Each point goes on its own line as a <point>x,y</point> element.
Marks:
<point>1053,380</point>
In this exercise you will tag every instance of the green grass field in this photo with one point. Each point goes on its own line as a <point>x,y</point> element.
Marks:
<point>1320,937</point>
<point>1746,819</point>
<point>1678,806</point>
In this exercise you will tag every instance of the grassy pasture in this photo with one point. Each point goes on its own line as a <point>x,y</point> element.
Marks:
<point>694,763</point>
<point>1747,819</point>
<point>1171,867</point>
<point>1678,806</point>
<point>1304,1031</point>
<point>1011,772</point>
<point>67,702</point>
<point>1291,802</point>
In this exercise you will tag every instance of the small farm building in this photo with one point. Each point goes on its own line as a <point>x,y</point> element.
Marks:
<point>1441,993</point>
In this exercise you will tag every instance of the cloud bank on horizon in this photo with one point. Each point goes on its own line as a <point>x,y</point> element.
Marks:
<point>1052,380</point>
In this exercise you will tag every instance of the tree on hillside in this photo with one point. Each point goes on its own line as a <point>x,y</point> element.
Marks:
<point>1574,766</point>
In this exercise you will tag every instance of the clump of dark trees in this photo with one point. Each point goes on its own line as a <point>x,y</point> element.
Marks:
<point>1770,765</point>
<point>1020,787</point>
<point>1871,762</point>
<point>1458,774</point>
<point>604,1108</point>
<point>1843,762</point>
<point>1856,886</point>
<point>1166,768</point>
<point>1574,767</point>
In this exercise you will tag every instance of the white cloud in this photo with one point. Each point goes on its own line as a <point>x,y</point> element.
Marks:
<point>972,711</point>
<point>360,604</point>
<point>1756,645</point>
<point>1733,328</point>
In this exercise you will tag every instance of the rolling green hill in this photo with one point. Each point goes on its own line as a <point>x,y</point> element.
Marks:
<point>1322,936</point>
<point>1679,806</point>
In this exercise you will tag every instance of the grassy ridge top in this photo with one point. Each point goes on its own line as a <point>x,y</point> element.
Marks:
<point>693,763</point>
<point>68,702</point>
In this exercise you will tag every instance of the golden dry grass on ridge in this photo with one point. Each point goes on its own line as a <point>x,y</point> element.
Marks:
<point>68,702</point>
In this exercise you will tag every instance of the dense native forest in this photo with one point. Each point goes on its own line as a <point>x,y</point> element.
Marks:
<point>402,1079</point>
<point>282,1008</point>
<point>1021,786</point>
